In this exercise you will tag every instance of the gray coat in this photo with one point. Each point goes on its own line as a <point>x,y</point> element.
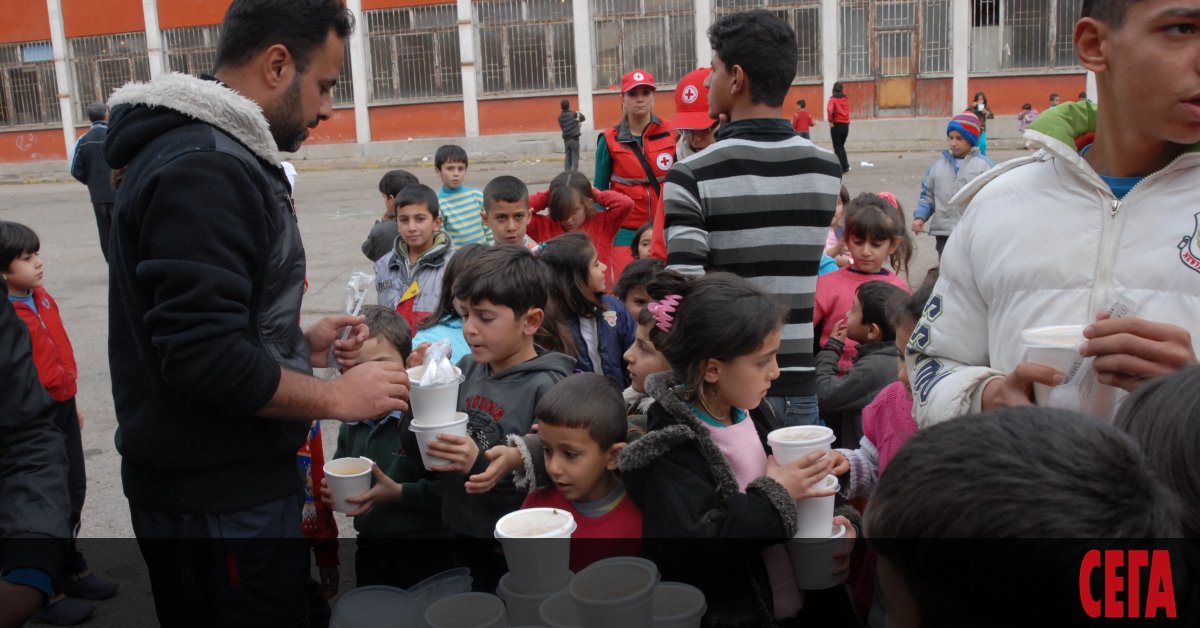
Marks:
<point>942,181</point>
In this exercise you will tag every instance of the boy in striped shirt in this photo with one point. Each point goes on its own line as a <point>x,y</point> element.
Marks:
<point>460,205</point>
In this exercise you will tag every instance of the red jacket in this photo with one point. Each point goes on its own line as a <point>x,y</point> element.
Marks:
<point>801,121</point>
<point>601,228</point>
<point>838,110</point>
<point>628,174</point>
<point>52,352</point>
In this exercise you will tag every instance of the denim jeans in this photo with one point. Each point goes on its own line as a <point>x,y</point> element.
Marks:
<point>791,411</point>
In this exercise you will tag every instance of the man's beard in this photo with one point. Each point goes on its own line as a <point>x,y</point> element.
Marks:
<point>287,123</point>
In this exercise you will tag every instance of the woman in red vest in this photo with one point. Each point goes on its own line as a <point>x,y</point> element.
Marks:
<point>633,158</point>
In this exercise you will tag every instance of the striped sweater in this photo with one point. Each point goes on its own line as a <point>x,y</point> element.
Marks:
<point>460,211</point>
<point>758,203</point>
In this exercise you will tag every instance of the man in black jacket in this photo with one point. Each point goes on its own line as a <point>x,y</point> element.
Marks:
<point>91,170</point>
<point>569,122</point>
<point>211,372</point>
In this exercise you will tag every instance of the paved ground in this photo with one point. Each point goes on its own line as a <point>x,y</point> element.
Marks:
<point>336,209</point>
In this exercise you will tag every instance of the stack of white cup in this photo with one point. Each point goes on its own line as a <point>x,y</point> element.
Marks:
<point>814,515</point>
<point>537,547</point>
<point>434,410</point>
<point>467,610</point>
<point>623,592</point>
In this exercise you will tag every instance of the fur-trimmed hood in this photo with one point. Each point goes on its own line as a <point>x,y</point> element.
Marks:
<point>143,111</point>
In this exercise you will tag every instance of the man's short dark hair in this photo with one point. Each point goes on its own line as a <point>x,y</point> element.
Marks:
<point>97,111</point>
<point>16,240</point>
<point>505,275</point>
<point>448,153</point>
<point>1111,12</point>
<point>303,26</point>
<point>505,189</point>
<point>387,323</point>
<point>565,104</point>
<point>395,180</point>
<point>418,195</point>
<point>589,401</point>
<point>765,48</point>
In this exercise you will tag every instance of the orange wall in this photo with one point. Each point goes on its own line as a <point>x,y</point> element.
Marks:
<point>336,130</point>
<point>180,13</point>
<point>42,145</point>
<point>84,18</point>
<point>401,122</point>
<point>391,4</point>
<point>862,99</point>
<point>1006,94</point>
<point>934,97</point>
<point>519,115</point>
<point>26,20</point>
<point>607,108</point>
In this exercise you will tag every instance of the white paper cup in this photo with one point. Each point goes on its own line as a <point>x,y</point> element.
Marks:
<point>428,433</point>
<point>812,559</point>
<point>537,547</point>
<point>1056,346</point>
<point>790,444</point>
<point>363,607</point>
<point>522,607</point>
<point>558,611</point>
<point>467,610</point>
<point>617,594</point>
<point>432,405</point>
<point>678,605</point>
<point>347,477</point>
<point>815,514</point>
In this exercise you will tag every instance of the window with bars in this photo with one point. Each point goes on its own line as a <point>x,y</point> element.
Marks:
<point>193,50</point>
<point>804,16</point>
<point>1022,35</point>
<point>28,91</point>
<point>854,54</point>
<point>102,64</point>
<point>936,36</point>
<point>525,46</point>
<point>654,35</point>
<point>414,54</point>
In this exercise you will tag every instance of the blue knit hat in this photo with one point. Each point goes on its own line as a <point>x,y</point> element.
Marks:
<point>967,124</point>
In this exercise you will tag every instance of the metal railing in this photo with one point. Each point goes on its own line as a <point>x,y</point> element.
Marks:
<point>804,16</point>
<point>28,91</point>
<point>525,46</point>
<point>854,51</point>
<point>103,63</point>
<point>414,54</point>
<point>1022,35</point>
<point>655,35</point>
<point>937,27</point>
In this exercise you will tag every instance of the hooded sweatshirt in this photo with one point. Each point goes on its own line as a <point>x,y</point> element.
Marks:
<point>395,278</point>
<point>497,404</point>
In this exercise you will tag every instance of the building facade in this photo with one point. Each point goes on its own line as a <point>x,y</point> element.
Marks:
<point>420,69</point>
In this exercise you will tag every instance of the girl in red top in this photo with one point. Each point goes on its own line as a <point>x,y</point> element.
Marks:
<point>572,202</point>
<point>838,115</point>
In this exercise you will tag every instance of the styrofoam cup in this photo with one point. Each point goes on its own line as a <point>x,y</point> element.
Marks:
<point>374,607</point>
<point>615,594</point>
<point>428,433</point>
<point>537,547</point>
<point>1056,346</point>
<point>812,559</point>
<point>432,405</point>
<point>814,515</point>
<point>678,605</point>
<point>347,477</point>
<point>467,610</point>
<point>522,607</point>
<point>558,611</point>
<point>790,444</point>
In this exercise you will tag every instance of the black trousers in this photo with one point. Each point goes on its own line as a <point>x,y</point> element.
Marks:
<point>839,132</point>
<point>941,244</point>
<point>243,568</point>
<point>103,225</point>
<point>572,164</point>
<point>67,420</point>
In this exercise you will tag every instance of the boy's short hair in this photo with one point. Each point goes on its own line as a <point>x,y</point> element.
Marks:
<point>505,275</point>
<point>589,401</point>
<point>506,189</point>
<point>639,272</point>
<point>386,323</point>
<point>393,181</point>
<point>1026,107</point>
<point>418,195</point>
<point>16,240</point>
<point>1111,12</point>
<point>874,297</point>
<point>448,153</point>
<point>565,104</point>
<point>764,46</point>
<point>1053,96</point>
<point>801,103</point>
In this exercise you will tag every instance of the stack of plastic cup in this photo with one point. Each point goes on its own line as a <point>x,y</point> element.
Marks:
<point>347,477</point>
<point>678,605</point>
<point>435,411</point>
<point>467,610</point>
<point>812,559</point>
<point>428,433</point>
<point>615,592</point>
<point>374,607</point>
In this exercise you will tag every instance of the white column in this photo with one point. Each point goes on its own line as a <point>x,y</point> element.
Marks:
<point>830,34</point>
<point>154,40</point>
<point>703,16</point>
<point>1092,92</point>
<point>358,73</point>
<point>581,22</point>
<point>960,17</point>
<point>466,51</point>
<point>66,106</point>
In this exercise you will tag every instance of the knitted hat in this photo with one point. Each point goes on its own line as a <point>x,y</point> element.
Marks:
<point>967,124</point>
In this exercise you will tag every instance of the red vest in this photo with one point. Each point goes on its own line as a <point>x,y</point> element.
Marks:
<point>628,174</point>
<point>52,353</point>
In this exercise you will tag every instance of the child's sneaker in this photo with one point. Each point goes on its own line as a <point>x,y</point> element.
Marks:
<point>89,587</point>
<point>63,612</point>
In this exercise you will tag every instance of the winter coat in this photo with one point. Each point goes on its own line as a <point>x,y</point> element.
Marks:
<point>395,275</point>
<point>838,110</point>
<point>52,352</point>
<point>615,329</point>
<point>88,165</point>
<point>942,181</point>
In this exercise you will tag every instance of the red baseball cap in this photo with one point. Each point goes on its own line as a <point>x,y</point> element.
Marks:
<point>691,102</point>
<point>637,78</point>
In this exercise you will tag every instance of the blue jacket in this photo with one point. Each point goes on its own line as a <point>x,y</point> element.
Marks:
<point>616,329</point>
<point>942,181</point>
<point>450,329</point>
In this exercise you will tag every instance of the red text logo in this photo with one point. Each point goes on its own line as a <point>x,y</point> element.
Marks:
<point>1124,572</point>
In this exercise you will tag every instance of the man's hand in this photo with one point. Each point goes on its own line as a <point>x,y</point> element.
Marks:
<point>326,334</point>
<point>504,460</point>
<point>19,603</point>
<point>461,451</point>
<point>918,226</point>
<point>385,491</point>
<point>370,390</point>
<point>1016,388</point>
<point>1129,351</point>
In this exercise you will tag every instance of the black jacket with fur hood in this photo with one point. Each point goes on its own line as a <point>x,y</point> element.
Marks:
<point>686,489</point>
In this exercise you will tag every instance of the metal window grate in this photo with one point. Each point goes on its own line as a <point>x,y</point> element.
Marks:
<point>854,56</point>
<point>28,91</point>
<point>936,37</point>
<point>525,46</point>
<point>1022,35</point>
<point>414,54</point>
<point>655,35</point>
<point>804,16</point>
<point>102,64</point>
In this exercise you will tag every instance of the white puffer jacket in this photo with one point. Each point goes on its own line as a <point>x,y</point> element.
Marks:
<point>1044,242</point>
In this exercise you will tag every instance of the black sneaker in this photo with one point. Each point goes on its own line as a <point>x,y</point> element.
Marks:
<point>64,612</point>
<point>89,587</point>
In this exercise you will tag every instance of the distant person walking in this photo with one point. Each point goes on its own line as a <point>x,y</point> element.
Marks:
<point>838,116</point>
<point>569,122</point>
<point>90,169</point>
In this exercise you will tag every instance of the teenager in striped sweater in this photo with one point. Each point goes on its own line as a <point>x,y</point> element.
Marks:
<point>759,202</point>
